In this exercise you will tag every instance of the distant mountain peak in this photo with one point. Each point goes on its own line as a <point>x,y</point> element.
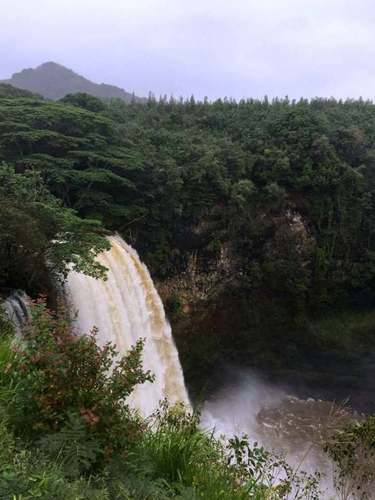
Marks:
<point>54,81</point>
<point>51,64</point>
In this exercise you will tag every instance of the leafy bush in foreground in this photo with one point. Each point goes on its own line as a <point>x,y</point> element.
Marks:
<point>67,432</point>
<point>191,461</point>
<point>353,453</point>
<point>67,385</point>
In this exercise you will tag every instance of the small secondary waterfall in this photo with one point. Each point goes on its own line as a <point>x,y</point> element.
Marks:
<point>127,307</point>
<point>15,307</point>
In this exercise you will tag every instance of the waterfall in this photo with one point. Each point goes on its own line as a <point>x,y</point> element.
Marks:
<point>15,308</point>
<point>125,308</point>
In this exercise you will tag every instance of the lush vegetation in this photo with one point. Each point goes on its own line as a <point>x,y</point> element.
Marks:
<point>258,216</point>
<point>39,237</point>
<point>7,90</point>
<point>67,432</point>
<point>353,452</point>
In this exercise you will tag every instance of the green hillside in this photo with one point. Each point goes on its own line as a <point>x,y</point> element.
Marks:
<point>257,218</point>
<point>7,90</point>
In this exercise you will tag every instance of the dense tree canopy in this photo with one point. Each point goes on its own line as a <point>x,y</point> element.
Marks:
<point>289,186</point>
<point>36,232</point>
<point>276,200</point>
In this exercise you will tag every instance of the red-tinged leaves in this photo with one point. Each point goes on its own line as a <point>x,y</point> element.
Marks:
<point>60,371</point>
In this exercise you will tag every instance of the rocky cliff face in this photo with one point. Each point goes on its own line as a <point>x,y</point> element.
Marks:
<point>232,310</point>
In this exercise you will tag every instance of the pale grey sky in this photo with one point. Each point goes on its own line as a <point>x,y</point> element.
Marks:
<point>235,48</point>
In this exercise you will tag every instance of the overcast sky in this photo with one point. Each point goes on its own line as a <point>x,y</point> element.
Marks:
<point>234,48</point>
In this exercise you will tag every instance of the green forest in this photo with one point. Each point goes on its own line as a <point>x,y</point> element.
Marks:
<point>271,203</point>
<point>257,221</point>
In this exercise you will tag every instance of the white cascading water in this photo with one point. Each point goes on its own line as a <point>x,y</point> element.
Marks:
<point>125,308</point>
<point>16,310</point>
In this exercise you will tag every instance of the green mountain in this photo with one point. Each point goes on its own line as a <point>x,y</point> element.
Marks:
<point>54,81</point>
<point>7,90</point>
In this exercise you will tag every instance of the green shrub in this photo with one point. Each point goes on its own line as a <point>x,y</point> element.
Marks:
<point>62,379</point>
<point>267,475</point>
<point>353,452</point>
<point>27,473</point>
<point>190,461</point>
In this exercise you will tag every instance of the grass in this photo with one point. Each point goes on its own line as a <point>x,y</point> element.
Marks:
<point>191,461</point>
